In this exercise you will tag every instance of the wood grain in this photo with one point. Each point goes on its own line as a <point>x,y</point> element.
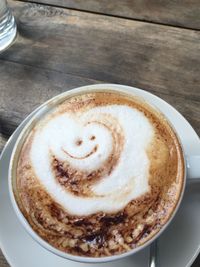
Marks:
<point>3,262</point>
<point>185,13</point>
<point>160,59</point>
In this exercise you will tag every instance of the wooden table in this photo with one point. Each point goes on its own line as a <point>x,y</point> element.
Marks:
<point>62,44</point>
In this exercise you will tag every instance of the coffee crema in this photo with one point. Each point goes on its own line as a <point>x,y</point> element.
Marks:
<point>99,174</point>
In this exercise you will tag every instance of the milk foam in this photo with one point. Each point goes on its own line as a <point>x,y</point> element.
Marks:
<point>128,179</point>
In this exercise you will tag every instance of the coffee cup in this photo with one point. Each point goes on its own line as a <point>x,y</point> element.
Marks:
<point>185,164</point>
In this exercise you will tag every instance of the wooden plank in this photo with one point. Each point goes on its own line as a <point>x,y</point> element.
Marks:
<point>154,57</point>
<point>163,60</point>
<point>3,262</point>
<point>179,13</point>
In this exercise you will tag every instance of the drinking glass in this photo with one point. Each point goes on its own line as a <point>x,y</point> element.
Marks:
<point>8,27</point>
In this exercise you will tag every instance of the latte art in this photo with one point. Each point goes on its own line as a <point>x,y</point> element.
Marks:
<point>99,174</point>
<point>93,147</point>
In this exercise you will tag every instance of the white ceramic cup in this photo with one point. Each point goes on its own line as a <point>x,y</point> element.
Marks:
<point>192,171</point>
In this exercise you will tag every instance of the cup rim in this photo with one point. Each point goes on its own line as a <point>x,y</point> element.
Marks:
<point>39,112</point>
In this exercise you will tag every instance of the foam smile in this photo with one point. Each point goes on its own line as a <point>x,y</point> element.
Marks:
<point>82,157</point>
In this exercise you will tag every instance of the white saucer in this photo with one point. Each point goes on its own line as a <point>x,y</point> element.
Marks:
<point>179,245</point>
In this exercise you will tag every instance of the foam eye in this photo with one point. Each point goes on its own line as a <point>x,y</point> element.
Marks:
<point>78,142</point>
<point>92,138</point>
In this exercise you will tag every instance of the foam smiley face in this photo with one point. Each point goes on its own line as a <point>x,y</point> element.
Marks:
<point>95,160</point>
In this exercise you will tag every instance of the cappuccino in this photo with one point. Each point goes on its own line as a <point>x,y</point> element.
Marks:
<point>99,174</point>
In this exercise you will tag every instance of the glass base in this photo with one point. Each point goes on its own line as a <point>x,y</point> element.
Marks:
<point>8,30</point>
